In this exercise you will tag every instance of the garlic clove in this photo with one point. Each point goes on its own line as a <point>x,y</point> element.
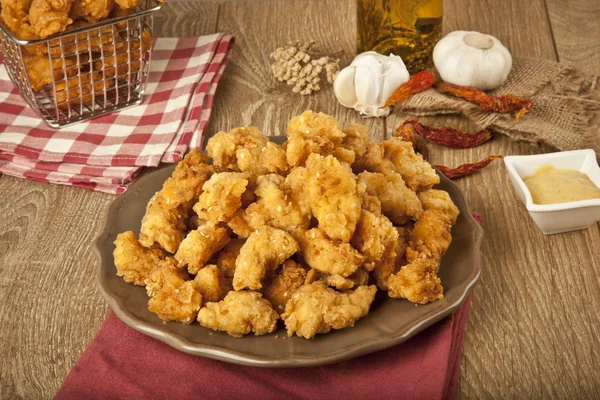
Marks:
<point>368,80</point>
<point>343,87</point>
<point>394,73</point>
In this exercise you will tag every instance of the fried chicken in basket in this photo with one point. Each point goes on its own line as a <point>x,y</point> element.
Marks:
<point>306,232</point>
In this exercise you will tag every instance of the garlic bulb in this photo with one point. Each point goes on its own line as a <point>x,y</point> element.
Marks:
<point>368,81</point>
<point>472,59</point>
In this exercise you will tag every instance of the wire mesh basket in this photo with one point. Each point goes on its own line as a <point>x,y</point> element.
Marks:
<point>86,71</point>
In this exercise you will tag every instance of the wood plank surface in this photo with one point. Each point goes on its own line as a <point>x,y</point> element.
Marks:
<point>532,330</point>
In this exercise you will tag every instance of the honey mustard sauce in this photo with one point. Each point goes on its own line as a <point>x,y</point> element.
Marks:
<point>550,185</point>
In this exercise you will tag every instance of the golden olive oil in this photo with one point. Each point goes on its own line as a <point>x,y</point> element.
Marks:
<point>407,28</point>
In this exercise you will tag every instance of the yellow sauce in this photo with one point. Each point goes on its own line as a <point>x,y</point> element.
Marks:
<point>550,186</point>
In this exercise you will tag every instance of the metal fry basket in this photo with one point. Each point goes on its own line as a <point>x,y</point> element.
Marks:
<point>86,71</point>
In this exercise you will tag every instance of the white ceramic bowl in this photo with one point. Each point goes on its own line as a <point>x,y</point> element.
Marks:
<point>561,217</point>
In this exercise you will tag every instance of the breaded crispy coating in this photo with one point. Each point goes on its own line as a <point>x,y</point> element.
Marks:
<point>327,255</point>
<point>48,17</point>
<point>431,234</point>
<point>417,281</point>
<point>376,238</point>
<point>173,296</point>
<point>91,10</point>
<point>277,206</point>
<point>133,261</point>
<point>398,155</point>
<point>357,139</point>
<point>310,133</point>
<point>316,308</point>
<point>247,150</point>
<point>383,270</point>
<point>416,172</point>
<point>359,278</point>
<point>398,202</point>
<point>239,225</point>
<point>263,252</point>
<point>169,209</point>
<point>212,284</point>
<point>199,246</point>
<point>221,196</point>
<point>128,3</point>
<point>226,257</point>
<point>280,287</point>
<point>239,314</point>
<point>330,188</point>
<point>433,199</point>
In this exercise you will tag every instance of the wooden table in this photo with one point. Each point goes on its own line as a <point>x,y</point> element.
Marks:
<point>534,322</point>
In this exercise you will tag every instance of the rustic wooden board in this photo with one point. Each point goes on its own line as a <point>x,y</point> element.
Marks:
<point>533,322</point>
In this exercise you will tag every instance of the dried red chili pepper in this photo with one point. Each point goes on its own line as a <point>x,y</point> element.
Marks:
<point>419,82</point>
<point>465,169</point>
<point>448,136</point>
<point>407,134</point>
<point>502,104</point>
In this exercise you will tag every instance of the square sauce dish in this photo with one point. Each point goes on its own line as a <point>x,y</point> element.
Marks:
<point>563,216</point>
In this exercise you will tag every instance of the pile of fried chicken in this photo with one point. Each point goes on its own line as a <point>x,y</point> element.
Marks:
<point>76,71</point>
<point>306,231</point>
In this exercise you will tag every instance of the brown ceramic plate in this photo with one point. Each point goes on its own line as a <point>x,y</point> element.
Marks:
<point>389,322</point>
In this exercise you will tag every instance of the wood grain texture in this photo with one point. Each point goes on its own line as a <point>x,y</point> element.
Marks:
<point>576,28</point>
<point>50,308</point>
<point>532,331</point>
<point>248,94</point>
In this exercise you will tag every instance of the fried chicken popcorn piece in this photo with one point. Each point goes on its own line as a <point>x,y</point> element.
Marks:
<point>331,190</point>
<point>168,210</point>
<point>416,172</point>
<point>277,206</point>
<point>376,238</point>
<point>239,225</point>
<point>91,10</point>
<point>398,155</point>
<point>247,150</point>
<point>417,281</point>
<point>199,245</point>
<point>226,257</point>
<point>383,270</point>
<point>398,202</point>
<point>212,284</point>
<point>128,3</point>
<point>239,314</point>
<point>431,234</point>
<point>221,196</point>
<point>433,199</point>
<point>327,255</point>
<point>264,251</point>
<point>41,70</point>
<point>359,278</point>
<point>316,308</point>
<point>133,261</point>
<point>48,17</point>
<point>15,16</point>
<point>280,288</point>
<point>309,133</point>
<point>174,297</point>
<point>356,139</point>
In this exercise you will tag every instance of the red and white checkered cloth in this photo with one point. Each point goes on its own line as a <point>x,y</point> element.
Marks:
<point>107,153</point>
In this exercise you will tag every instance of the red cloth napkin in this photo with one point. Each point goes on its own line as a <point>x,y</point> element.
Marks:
<point>106,153</point>
<point>123,363</point>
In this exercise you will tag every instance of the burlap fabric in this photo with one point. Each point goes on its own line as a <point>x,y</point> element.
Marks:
<point>566,113</point>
